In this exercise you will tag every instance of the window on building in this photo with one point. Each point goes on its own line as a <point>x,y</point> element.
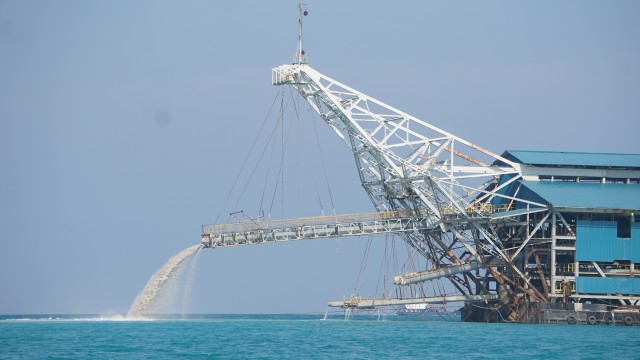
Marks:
<point>624,227</point>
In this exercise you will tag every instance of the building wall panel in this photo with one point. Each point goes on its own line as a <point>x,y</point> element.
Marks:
<point>598,241</point>
<point>600,285</point>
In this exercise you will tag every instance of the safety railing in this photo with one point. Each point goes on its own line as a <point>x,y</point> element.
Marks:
<point>565,268</point>
<point>282,75</point>
<point>488,208</point>
<point>261,224</point>
<point>264,224</point>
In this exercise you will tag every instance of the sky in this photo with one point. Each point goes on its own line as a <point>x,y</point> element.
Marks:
<point>124,125</point>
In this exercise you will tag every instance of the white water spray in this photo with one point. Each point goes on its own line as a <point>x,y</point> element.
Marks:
<point>186,294</point>
<point>147,301</point>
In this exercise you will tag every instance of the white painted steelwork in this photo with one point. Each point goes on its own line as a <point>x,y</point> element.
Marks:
<point>403,162</point>
<point>409,164</point>
<point>261,232</point>
<point>422,276</point>
<point>356,302</point>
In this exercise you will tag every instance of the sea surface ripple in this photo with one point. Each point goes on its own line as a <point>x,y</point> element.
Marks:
<point>304,337</point>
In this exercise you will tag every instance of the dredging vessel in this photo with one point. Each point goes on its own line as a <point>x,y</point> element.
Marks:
<point>521,236</point>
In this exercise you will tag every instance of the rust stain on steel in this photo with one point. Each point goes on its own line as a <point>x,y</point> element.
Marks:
<point>466,157</point>
<point>487,152</point>
<point>541,273</point>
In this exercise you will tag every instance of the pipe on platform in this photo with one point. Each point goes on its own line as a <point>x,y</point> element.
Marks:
<point>417,277</point>
<point>371,303</point>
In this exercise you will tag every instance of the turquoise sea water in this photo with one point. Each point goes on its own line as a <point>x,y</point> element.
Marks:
<point>304,337</point>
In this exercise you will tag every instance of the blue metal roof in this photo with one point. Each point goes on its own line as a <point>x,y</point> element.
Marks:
<point>573,158</point>
<point>587,195</point>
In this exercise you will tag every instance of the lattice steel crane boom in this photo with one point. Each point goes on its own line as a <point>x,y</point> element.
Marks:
<point>406,163</point>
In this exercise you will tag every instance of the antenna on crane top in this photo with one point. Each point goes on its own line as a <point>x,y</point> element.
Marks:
<point>300,57</point>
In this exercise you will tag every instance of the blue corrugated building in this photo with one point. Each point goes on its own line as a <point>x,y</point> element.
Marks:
<point>581,209</point>
<point>599,241</point>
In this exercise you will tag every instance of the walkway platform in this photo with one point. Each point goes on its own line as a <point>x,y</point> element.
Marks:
<point>260,231</point>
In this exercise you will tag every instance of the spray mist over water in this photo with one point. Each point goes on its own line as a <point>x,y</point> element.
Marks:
<point>149,300</point>
<point>188,282</point>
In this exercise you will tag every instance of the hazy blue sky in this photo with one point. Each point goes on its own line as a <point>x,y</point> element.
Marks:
<point>123,125</point>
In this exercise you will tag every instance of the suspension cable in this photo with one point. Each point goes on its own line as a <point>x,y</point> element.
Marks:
<point>264,122</point>
<point>280,179</point>
<point>363,263</point>
<point>324,167</point>
<point>255,167</point>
